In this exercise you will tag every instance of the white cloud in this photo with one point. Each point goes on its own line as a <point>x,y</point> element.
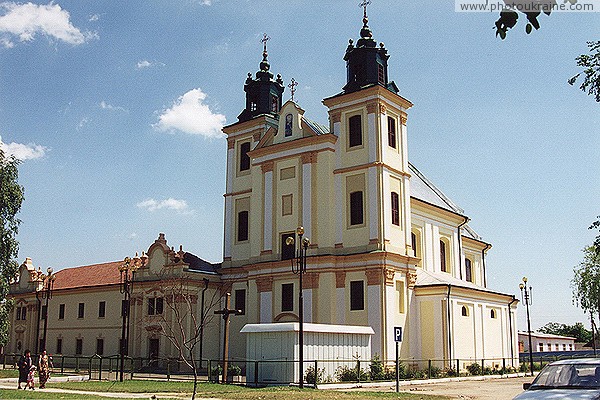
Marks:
<point>206,2</point>
<point>24,21</point>
<point>94,18</point>
<point>143,64</point>
<point>105,106</point>
<point>83,122</point>
<point>23,152</point>
<point>152,205</point>
<point>189,114</point>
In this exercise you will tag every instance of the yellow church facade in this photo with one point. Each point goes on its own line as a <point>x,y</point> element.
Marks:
<point>387,248</point>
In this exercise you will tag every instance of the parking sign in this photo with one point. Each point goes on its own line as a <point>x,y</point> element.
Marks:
<point>398,333</point>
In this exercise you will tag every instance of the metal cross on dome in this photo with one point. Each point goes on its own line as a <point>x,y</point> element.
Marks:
<point>264,41</point>
<point>364,5</point>
<point>292,87</point>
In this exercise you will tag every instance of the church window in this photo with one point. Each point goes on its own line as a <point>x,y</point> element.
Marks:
<point>101,310</point>
<point>253,105</point>
<point>59,345</point>
<point>357,295</point>
<point>493,314</point>
<point>19,313</point>
<point>380,74</point>
<point>287,297</point>
<point>288,251</point>
<point>445,255</point>
<point>468,270</point>
<point>395,209</point>
<point>61,311</point>
<point>155,306</point>
<point>356,208</point>
<point>274,103</point>
<point>464,311</point>
<point>240,300</point>
<point>391,132</point>
<point>415,242</point>
<point>78,346</point>
<point>355,131</point>
<point>286,204</point>
<point>100,346</point>
<point>44,312</point>
<point>242,226</point>
<point>244,157</point>
<point>289,122</point>
<point>81,310</point>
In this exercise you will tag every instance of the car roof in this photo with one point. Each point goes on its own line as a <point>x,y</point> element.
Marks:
<point>571,361</point>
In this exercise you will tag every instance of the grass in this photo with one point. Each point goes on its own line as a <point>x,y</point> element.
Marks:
<point>40,394</point>
<point>234,392</point>
<point>9,373</point>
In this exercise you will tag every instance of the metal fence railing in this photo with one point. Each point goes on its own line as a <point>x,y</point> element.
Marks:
<point>285,371</point>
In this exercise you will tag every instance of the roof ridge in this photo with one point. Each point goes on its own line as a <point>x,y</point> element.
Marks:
<point>436,190</point>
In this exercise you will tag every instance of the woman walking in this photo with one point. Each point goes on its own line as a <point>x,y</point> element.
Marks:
<point>24,364</point>
<point>43,369</point>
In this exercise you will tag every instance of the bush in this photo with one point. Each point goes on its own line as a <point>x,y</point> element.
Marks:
<point>377,369</point>
<point>451,372</point>
<point>474,369</point>
<point>215,372</point>
<point>234,370</point>
<point>346,374</point>
<point>435,372</point>
<point>312,377</point>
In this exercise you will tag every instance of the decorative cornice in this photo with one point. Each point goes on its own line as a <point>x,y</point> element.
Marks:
<point>403,118</point>
<point>373,276</point>
<point>238,193</point>
<point>335,117</point>
<point>369,165</point>
<point>264,284</point>
<point>230,143</point>
<point>256,136</point>
<point>309,158</point>
<point>267,166</point>
<point>382,108</point>
<point>389,277</point>
<point>412,279</point>
<point>340,279</point>
<point>311,281</point>
<point>371,107</point>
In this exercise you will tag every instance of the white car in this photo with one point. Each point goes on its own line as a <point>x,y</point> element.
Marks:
<point>566,379</point>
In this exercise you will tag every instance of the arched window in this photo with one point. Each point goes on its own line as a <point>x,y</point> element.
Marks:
<point>443,260</point>
<point>289,121</point>
<point>395,209</point>
<point>468,270</point>
<point>493,313</point>
<point>465,311</point>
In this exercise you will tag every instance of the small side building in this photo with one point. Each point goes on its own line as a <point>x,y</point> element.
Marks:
<point>543,342</point>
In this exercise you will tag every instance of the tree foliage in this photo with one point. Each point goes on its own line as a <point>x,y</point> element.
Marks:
<point>530,9</point>
<point>586,282</point>
<point>591,76</point>
<point>578,331</point>
<point>11,198</point>
<point>596,225</point>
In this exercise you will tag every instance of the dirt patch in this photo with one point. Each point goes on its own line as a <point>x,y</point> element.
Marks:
<point>491,389</point>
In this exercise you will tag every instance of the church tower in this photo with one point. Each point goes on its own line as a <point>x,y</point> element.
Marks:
<point>372,173</point>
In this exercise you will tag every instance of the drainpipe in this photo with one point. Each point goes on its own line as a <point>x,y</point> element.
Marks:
<point>487,247</point>
<point>460,257</point>
<point>510,329</point>
<point>449,327</point>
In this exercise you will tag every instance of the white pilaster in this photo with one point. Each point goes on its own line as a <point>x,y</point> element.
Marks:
<point>373,203</point>
<point>228,226</point>
<point>307,199</point>
<point>341,305</point>
<point>339,208</point>
<point>406,211</point>
<point>372,137</point>
<point>374,316</point>
<point>230,169</point>
<point>266,307</point>
<point>268,212</point>
<point>387,208</point>
<point>307,295</point>
<point>338,152</point>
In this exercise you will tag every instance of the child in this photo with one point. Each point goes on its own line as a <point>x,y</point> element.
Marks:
<point>31,378</point>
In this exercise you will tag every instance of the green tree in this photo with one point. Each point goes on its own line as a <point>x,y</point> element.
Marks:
<point>510,16</point>
<point>578,331</point>
<point>596,225</point>
<point>591,82</point>
<point>11,198</point>
<point>586,282</point>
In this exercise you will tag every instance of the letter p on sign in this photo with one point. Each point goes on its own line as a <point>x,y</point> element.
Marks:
<point>398,333</point>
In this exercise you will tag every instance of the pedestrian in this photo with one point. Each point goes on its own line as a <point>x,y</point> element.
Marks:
<point>31,378</point>
<point>25,363</point>
<point>44,369</point>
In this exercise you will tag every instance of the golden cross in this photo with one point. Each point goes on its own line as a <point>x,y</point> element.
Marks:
<point>292,87</point>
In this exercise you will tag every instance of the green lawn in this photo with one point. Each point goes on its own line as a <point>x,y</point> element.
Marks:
<point>40,394</point>
<point>9,373</point>
<point>234,392</point>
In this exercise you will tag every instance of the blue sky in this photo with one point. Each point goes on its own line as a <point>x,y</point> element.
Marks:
<point>116,108</point>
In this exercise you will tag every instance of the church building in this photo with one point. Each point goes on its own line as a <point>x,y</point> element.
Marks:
<point>387,249</point>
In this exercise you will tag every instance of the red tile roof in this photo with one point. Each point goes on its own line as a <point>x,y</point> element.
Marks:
<point>88,276</point>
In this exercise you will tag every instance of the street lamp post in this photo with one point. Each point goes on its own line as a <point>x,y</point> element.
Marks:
<point>300,268</point>
<point>127,270</point>
<point>526,297</point>
<point>43,292</point>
